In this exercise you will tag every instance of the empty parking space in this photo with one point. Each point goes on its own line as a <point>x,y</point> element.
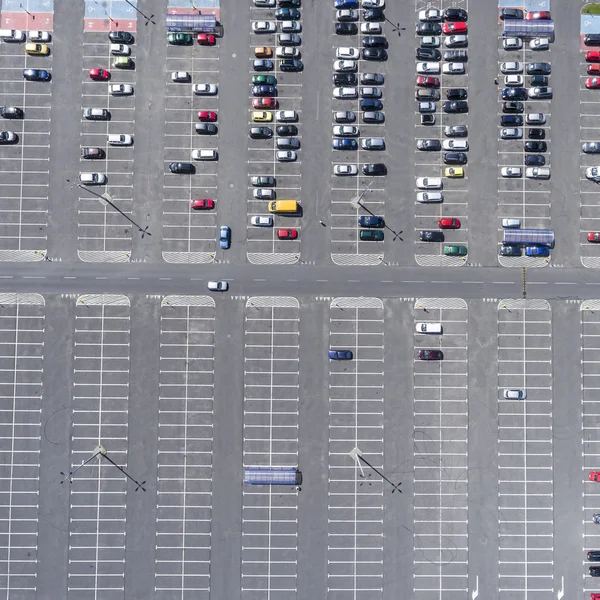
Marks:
<point>440,551</point>
<point>21,353</point>
<point>192,124</point>
<point>525,477</point>
<point>104,235</point>
<point>270,515</point>
<point>24,169</point>
<point>100,418</point>
<point>356,420</point>
<point>185,435</point>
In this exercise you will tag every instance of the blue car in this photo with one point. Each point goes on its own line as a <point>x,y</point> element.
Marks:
<point>537,251</point>
<point>346,3</point>
<point>36,75</point>
<point>340,354</point>
<point>344,144</point>
<point>225,237</point>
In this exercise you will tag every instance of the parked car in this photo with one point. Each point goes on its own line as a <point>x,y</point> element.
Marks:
<point>224,237</point>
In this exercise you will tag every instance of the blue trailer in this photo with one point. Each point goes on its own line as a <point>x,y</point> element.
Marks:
<point>529,237</point>
<point>272,476</point>
<point>193,23</point>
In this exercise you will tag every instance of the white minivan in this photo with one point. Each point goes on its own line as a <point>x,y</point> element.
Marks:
<point>205,154</point>
<point>428,328</point>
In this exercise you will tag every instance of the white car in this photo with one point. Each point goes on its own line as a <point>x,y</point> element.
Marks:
<point>92,178</point>
<point>287,52</point>
<point>511,172</point>
<point>120,50</point>
<point>428,327</point>
<point>430,197</point>
<point>512,43</point>
<point>262,221</point>
<point>345,170</point>
<point>120,89</point>
<point>427,107</point>
<point>428,68</point>
<point>286,155</point>
<point>119,139</point>
<point>345,92</point>
<point>536,118</point>
<point>454,68</point>
<point>264,194</point>
<point>511,67</point>
<point>513,80</point>
<point>371,28</point>
<point>264,26</point>
<point>538,172</point>
<point>429,183</point>
<point>345,130</point>
<point>286,116</point>
<point>264,3</point>
<point>217,286</point>
<point>511,133</point>
<point>347,14</point>
<point>373,4</point>
<point>511,223</point>
<point>515,394</point>
<point>347,53</point>
<point>39,36</point>
<point>205,89</point>
<point>431,14</point>
<point>430,41</point>
<point>593,173</point>
<point>290,26</point>
<point>456,41</point>
<point>456,145</point>
<point>180,76</point>
<point>539,44</point>
<point>344,65</point>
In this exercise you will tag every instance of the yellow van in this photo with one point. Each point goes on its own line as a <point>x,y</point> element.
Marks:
<point>283,206</point>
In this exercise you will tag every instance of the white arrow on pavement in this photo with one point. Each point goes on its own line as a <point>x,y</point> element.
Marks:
<point>561,592</point>
<point>475,592</point>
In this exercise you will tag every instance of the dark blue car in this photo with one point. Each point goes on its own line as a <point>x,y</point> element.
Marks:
<point>340,354</point>
<point>36,75</point>
<point>344,144</point>
<point>537,251</point>
<point>346,3</point>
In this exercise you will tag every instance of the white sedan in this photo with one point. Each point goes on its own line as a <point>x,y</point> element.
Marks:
<point>454,68</point>
<point>428,68</point>
<point>345,170</point>
<point>512,43</point>
<point>347,53</point>
<point>264,3</point>
<point>180,76</point>
<point>431,14</point>
<point>217,286</point>
<point>429,183</point>
<point>264,27</point>
<point>120,89</point>
<point>286,156</point>
<point>345,130</point>
<point>39,36</point>
<point>593,174</point>
<point>539,44</point>
<point>456,145</point>
<point>511,172</point>
<point>287,52</point>
<point>205,89</point>
<point>536,118</point>
<point>511,67</point>
<point>262,221</point>
<point>537,173</point>
<point>341,66</point>
<point>373,4</point>
<point>371,28</point>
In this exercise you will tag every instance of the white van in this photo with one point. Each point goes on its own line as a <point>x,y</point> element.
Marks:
<point>12,35</point>
<point>92,178</point>
<point>428,328</point>
<point>205,154</point>
<point>511,223</point>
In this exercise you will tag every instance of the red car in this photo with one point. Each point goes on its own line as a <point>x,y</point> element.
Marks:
<point>206,39</point>
<point>592,83</point>
<point>594,475</point>
<point>593,236</point>
<point>594,596</point>
<point>448,223</point>
<point>264,103</point>
<point>593,69</point>
<point>538,15</point>
<point>423,81</point>
<point>592,56</point>
<point>99,74</point>
<point>207,115</point>
<point>287,234</point>
<point>202,204</point>
<point>452,28</point>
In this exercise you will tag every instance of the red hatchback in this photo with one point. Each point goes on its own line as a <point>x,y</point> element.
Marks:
<point>99,74</point>
<point>592,56</point>
<point>538,15</point>
<point>264,103</point>
<point>451,28</point>
<point>448,223</point>
<point>207,115</point>
<point>592,83</point>
<point>593,237</point>
<point>594,596</point>
<point>594,475</point>
<point>423,81</point>
<point>206,39</point>
<point>202,204</point>
<point>593,69</point>
<point>287,234</point>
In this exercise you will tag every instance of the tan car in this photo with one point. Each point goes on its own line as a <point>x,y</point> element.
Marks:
<point>263,52</point>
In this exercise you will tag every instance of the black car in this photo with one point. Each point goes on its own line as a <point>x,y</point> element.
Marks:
<point>346,28</point>
<point>512,107</point>
<point>291,64</point>
<point>372,78</point>
<point>458,106</point>
<point>90,153</point>
<point>455,14</point>
<point>374,54</point>
<point>431,355</point>
<point>431,236</point>
<point>371,221</point>
<point>429,145</point>
<point>534,160</point>
<point>593,555</point>
<point>591,39</point>
<point>344,79</point>
<point>287,14</point>
<point>206,128</point>
<point>263,181</point>
<point>595,571</point>
<point>538,80</point>
<point>427,94</point>
<point>182,167</point>
<point>456,55</point>
<point>510,251</point>
<point>455,158</point>
<point>373,14</point>
<point>511,120</point>
<point>374,41</point>
<point>11,112</point>
<point>260,133</point>
<point>8,137</point>
<point>514,94</point>
<point>427,119</point>
<point>428,28</point>
<point>264,90</point>
<point>511,13</point>
<point>286,130</point>
<point>456,94</point>
<point>370,104</point>
<point>536,134</point>
<point>532,146</point>
<point>120,37</point>
<point>539,68</point>
<point>289,3</point>
<point>428,54</point>
<point>374,169</point>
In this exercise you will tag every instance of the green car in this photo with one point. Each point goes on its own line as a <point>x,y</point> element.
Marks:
<point>180,39</point>
<point>455,250</point>
<point>369,235</point>
<point>264,79</point>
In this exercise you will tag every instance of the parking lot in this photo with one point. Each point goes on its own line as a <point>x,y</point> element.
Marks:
<point>356,420</point>
<point>185,436</point>
<point>440,552</point>
<point>270,516</point>
<point>525,444</point>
